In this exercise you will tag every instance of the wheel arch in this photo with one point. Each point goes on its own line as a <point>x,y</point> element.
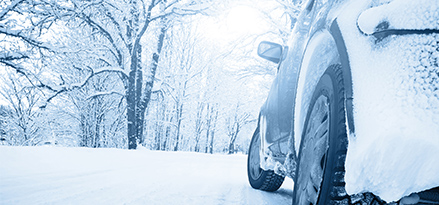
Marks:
<point>329,43</point>
<point>347,74</point>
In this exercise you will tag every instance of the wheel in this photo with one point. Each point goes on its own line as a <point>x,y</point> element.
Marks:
<point>259,178</point>
<point>320,173</point>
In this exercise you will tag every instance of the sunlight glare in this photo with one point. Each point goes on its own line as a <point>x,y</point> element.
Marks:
<point>244,20</point>
<point>235,23</point>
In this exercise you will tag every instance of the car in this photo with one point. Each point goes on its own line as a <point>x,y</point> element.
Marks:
<point>353,113</point>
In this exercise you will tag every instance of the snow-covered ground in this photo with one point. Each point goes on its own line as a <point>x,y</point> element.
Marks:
<point>54,175</point>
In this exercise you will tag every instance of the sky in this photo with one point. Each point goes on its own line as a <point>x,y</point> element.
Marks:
<point>240,19</point>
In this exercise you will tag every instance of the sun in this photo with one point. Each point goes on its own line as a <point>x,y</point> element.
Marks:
<point>244,20</point>
<point>235,23</point>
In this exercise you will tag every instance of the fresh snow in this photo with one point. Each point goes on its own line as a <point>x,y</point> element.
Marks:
<point>402,14</point>
<point>395,149</point>
<point>54,175</point>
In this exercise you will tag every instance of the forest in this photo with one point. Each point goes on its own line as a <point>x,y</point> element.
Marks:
<point>170,75</point>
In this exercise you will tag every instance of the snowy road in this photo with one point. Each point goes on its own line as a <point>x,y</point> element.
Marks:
<point>50,175</point>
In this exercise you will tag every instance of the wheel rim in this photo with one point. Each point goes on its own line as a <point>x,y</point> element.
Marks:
<point>254,162</point>
<point>313,153</point>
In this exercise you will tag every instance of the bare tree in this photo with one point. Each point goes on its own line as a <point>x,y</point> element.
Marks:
<point>180,70</point>
<point>199,124</point>
<point>212,119</point>
<point>24,113</point>
<point>234,124</point>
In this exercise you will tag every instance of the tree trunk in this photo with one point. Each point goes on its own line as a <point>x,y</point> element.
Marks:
<point>213,132</point>
<point>167,133</point>
<point>179,115</point>
<point>198,125</point>
<point>211,141</point>
<point>138,96</point>
<point>231,148</point>
<point>208,124</point>
<point>233,139</point>
<point>131,111</point>
<point>180,105</point>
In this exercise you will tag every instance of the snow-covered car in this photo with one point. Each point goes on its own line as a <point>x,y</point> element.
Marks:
<point>353,113</point>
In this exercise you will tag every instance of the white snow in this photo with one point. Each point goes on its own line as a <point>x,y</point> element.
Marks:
<point>54,175</point>
<point>396,102</point>
<point>402,14</point>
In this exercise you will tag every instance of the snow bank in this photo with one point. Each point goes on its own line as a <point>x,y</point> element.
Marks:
<point>396,102</point>
<point>52,175</point>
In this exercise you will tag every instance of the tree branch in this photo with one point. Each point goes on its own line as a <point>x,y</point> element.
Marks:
<point>64,89</point>
<point>107,35</point>
<point>104,94</point>
<point>10,8</point>
<point>28,40</point>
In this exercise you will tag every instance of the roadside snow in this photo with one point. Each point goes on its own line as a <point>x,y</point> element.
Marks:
<point>53,175</point>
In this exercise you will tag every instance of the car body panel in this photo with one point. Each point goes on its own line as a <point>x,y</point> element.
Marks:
<point>278,110</point>
<point>335,34</point>
<point>322,46</point>
<point>375,160</point>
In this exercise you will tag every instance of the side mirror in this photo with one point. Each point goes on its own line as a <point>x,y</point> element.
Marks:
<point>270,51</point>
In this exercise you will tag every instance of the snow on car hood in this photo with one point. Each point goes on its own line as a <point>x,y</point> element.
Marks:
<point>401,14</point>
<point>395,149</point>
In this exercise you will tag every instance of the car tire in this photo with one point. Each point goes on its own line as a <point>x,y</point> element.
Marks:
<point>322,152</point>
<point>265,180</point>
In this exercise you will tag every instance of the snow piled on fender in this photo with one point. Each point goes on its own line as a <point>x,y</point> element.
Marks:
<point>395,150</point>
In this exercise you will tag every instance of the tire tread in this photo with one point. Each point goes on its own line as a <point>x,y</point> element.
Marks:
<point>338,194</point>
<point>272,182</point>
<point>268,180</point>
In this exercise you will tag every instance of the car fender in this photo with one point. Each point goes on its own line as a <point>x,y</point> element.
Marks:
<point>313,66</point>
